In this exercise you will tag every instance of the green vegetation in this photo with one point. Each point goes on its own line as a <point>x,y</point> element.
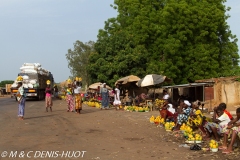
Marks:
<point>3,83</point>
<point>185,40</point>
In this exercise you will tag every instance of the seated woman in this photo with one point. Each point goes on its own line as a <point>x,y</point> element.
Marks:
<point>168,110</point>
<point>216,127</point>
<point>184,112</point>
<point>233,126</point>
<point>196,117</point>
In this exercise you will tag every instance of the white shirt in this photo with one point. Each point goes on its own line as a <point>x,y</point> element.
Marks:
<point>171,109</point>
<point>77,90</point>
<point>224,119</point>
<point>166,96</point>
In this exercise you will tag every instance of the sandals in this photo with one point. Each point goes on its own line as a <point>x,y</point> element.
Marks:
<point>222,147</point>
<point>227,152</point>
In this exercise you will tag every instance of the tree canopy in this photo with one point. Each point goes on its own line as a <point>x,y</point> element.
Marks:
<point>78,59</point>
<point>185,40</point>
<point>3,83</point>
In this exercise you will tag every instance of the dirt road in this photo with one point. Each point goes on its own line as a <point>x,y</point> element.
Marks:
<point>103,134</point>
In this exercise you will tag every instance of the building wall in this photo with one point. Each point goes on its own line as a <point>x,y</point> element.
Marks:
<point>226,92</point>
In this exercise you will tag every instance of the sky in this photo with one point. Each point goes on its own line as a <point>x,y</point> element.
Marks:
<point>42,31</point>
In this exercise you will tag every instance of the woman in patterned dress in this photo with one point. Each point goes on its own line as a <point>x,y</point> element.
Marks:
<point>184,112</point>
<point>234,128</point>
<point>69,97</point>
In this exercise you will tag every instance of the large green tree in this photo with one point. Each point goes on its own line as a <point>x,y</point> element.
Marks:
<point>185,40</point>
<point>78,60</point>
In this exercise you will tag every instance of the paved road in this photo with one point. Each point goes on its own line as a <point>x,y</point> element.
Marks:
<point>104,134</point>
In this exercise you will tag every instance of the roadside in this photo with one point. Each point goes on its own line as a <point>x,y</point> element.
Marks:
<point>104,134</point>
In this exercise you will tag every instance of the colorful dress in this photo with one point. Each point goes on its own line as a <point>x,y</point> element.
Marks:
<point>198,120</point>
<point>224,118</point>
<point>105,98</point>
<point>48,97</point>
<point>234,129</point>
<point>69,99</point>
<point>78,98</point>
<point>181,118</point>
<point>21,97</point>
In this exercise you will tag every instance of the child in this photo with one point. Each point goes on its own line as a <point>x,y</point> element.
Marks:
<point>224,106</point>
<point>216,127</point>
<point>233,125</point>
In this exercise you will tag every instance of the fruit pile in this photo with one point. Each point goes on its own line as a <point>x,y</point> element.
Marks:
<point>187,130</point>
<point>169,126</point>
<point>213,144</point>
<point>152,119</point>
<point>136,108</point>
<point>93,104</point>
<point>159,102</point>
<point>157,120</point>
<point>197,137</point>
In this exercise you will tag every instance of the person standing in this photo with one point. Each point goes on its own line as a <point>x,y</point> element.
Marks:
<point>69,96</point>
<point>117,101</point>
<point>48,97</point>
<point>165,95</point>
<point>78,98</point>
<point>21,98</point>
<point>105,97</point>
<point>55,88</point>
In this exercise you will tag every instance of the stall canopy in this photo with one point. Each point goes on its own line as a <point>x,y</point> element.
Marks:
<point>127,79</point>
<point>187,85</point>
<point>151,80</point>
<point>98,84</point>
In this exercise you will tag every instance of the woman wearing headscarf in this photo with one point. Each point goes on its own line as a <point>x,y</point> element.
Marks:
<point>184,112</point>
<point>69,96</point>
<point>167,110</point>
<point>48,97</point>
<point>21,98</point>
<point>105,97</point>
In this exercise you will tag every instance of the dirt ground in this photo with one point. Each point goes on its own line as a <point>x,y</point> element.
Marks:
<point>103,134</point>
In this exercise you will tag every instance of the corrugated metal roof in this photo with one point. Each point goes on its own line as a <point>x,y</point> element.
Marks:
<point>187,85</point>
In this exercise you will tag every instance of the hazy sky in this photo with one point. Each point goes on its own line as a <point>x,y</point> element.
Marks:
<point>42,31</point>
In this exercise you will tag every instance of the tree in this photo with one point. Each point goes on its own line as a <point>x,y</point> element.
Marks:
<point>78,60</point>
<point>185,40</point>
<point>3,83</point>
<point>196,41</point>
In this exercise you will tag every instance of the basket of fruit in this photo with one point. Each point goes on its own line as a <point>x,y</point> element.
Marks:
<point>213,146</point>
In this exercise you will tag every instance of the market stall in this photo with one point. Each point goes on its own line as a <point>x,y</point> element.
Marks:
<point>129,90</point>
<point>152,80</point>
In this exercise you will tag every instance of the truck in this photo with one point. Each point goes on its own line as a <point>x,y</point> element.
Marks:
<point>34,83</point>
